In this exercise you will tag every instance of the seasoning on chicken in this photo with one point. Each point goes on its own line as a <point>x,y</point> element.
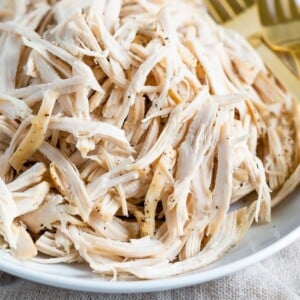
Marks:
<point>128,128</point>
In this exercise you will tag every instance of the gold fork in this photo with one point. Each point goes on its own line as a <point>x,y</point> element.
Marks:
<point>223,11</point>
<point>246,21</point>
<point>231,13</point>
<point>280,21</point>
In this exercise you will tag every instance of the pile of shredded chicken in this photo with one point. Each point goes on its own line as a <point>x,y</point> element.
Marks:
<point>128,128</point>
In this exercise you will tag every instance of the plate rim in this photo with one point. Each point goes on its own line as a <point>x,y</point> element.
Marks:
<point>175,282</point>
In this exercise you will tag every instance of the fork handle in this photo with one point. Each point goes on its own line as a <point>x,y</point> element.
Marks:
<point>279,69</point>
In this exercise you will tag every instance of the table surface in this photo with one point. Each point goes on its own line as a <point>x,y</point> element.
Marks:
<point>276,278</point>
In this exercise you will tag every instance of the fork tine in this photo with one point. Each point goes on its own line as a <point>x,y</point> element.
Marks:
<point>235,6</point>
<point>249,2</point>
<point>263,9</point>
<point>242,4</point>
<point>218,11</point>
<point>213,12</point>
<point>279,10</point>
<point>226,6</point>
<point>294,9</point>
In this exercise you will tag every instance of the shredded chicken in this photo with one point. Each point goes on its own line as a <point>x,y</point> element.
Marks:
<point>128,128</point>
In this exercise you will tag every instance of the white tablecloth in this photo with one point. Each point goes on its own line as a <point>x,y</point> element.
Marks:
<point>277,278</point>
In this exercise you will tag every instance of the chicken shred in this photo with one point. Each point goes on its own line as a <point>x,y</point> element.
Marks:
<point>128,128</point>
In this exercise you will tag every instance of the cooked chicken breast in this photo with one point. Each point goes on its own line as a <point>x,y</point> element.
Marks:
<point>128,128</point>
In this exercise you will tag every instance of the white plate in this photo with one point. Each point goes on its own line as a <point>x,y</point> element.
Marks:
<point>260,242</point>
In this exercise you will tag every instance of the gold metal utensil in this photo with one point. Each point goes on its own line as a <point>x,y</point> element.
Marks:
<point>223,11</point>
<point>244,19</point>
<point>280,21</point>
